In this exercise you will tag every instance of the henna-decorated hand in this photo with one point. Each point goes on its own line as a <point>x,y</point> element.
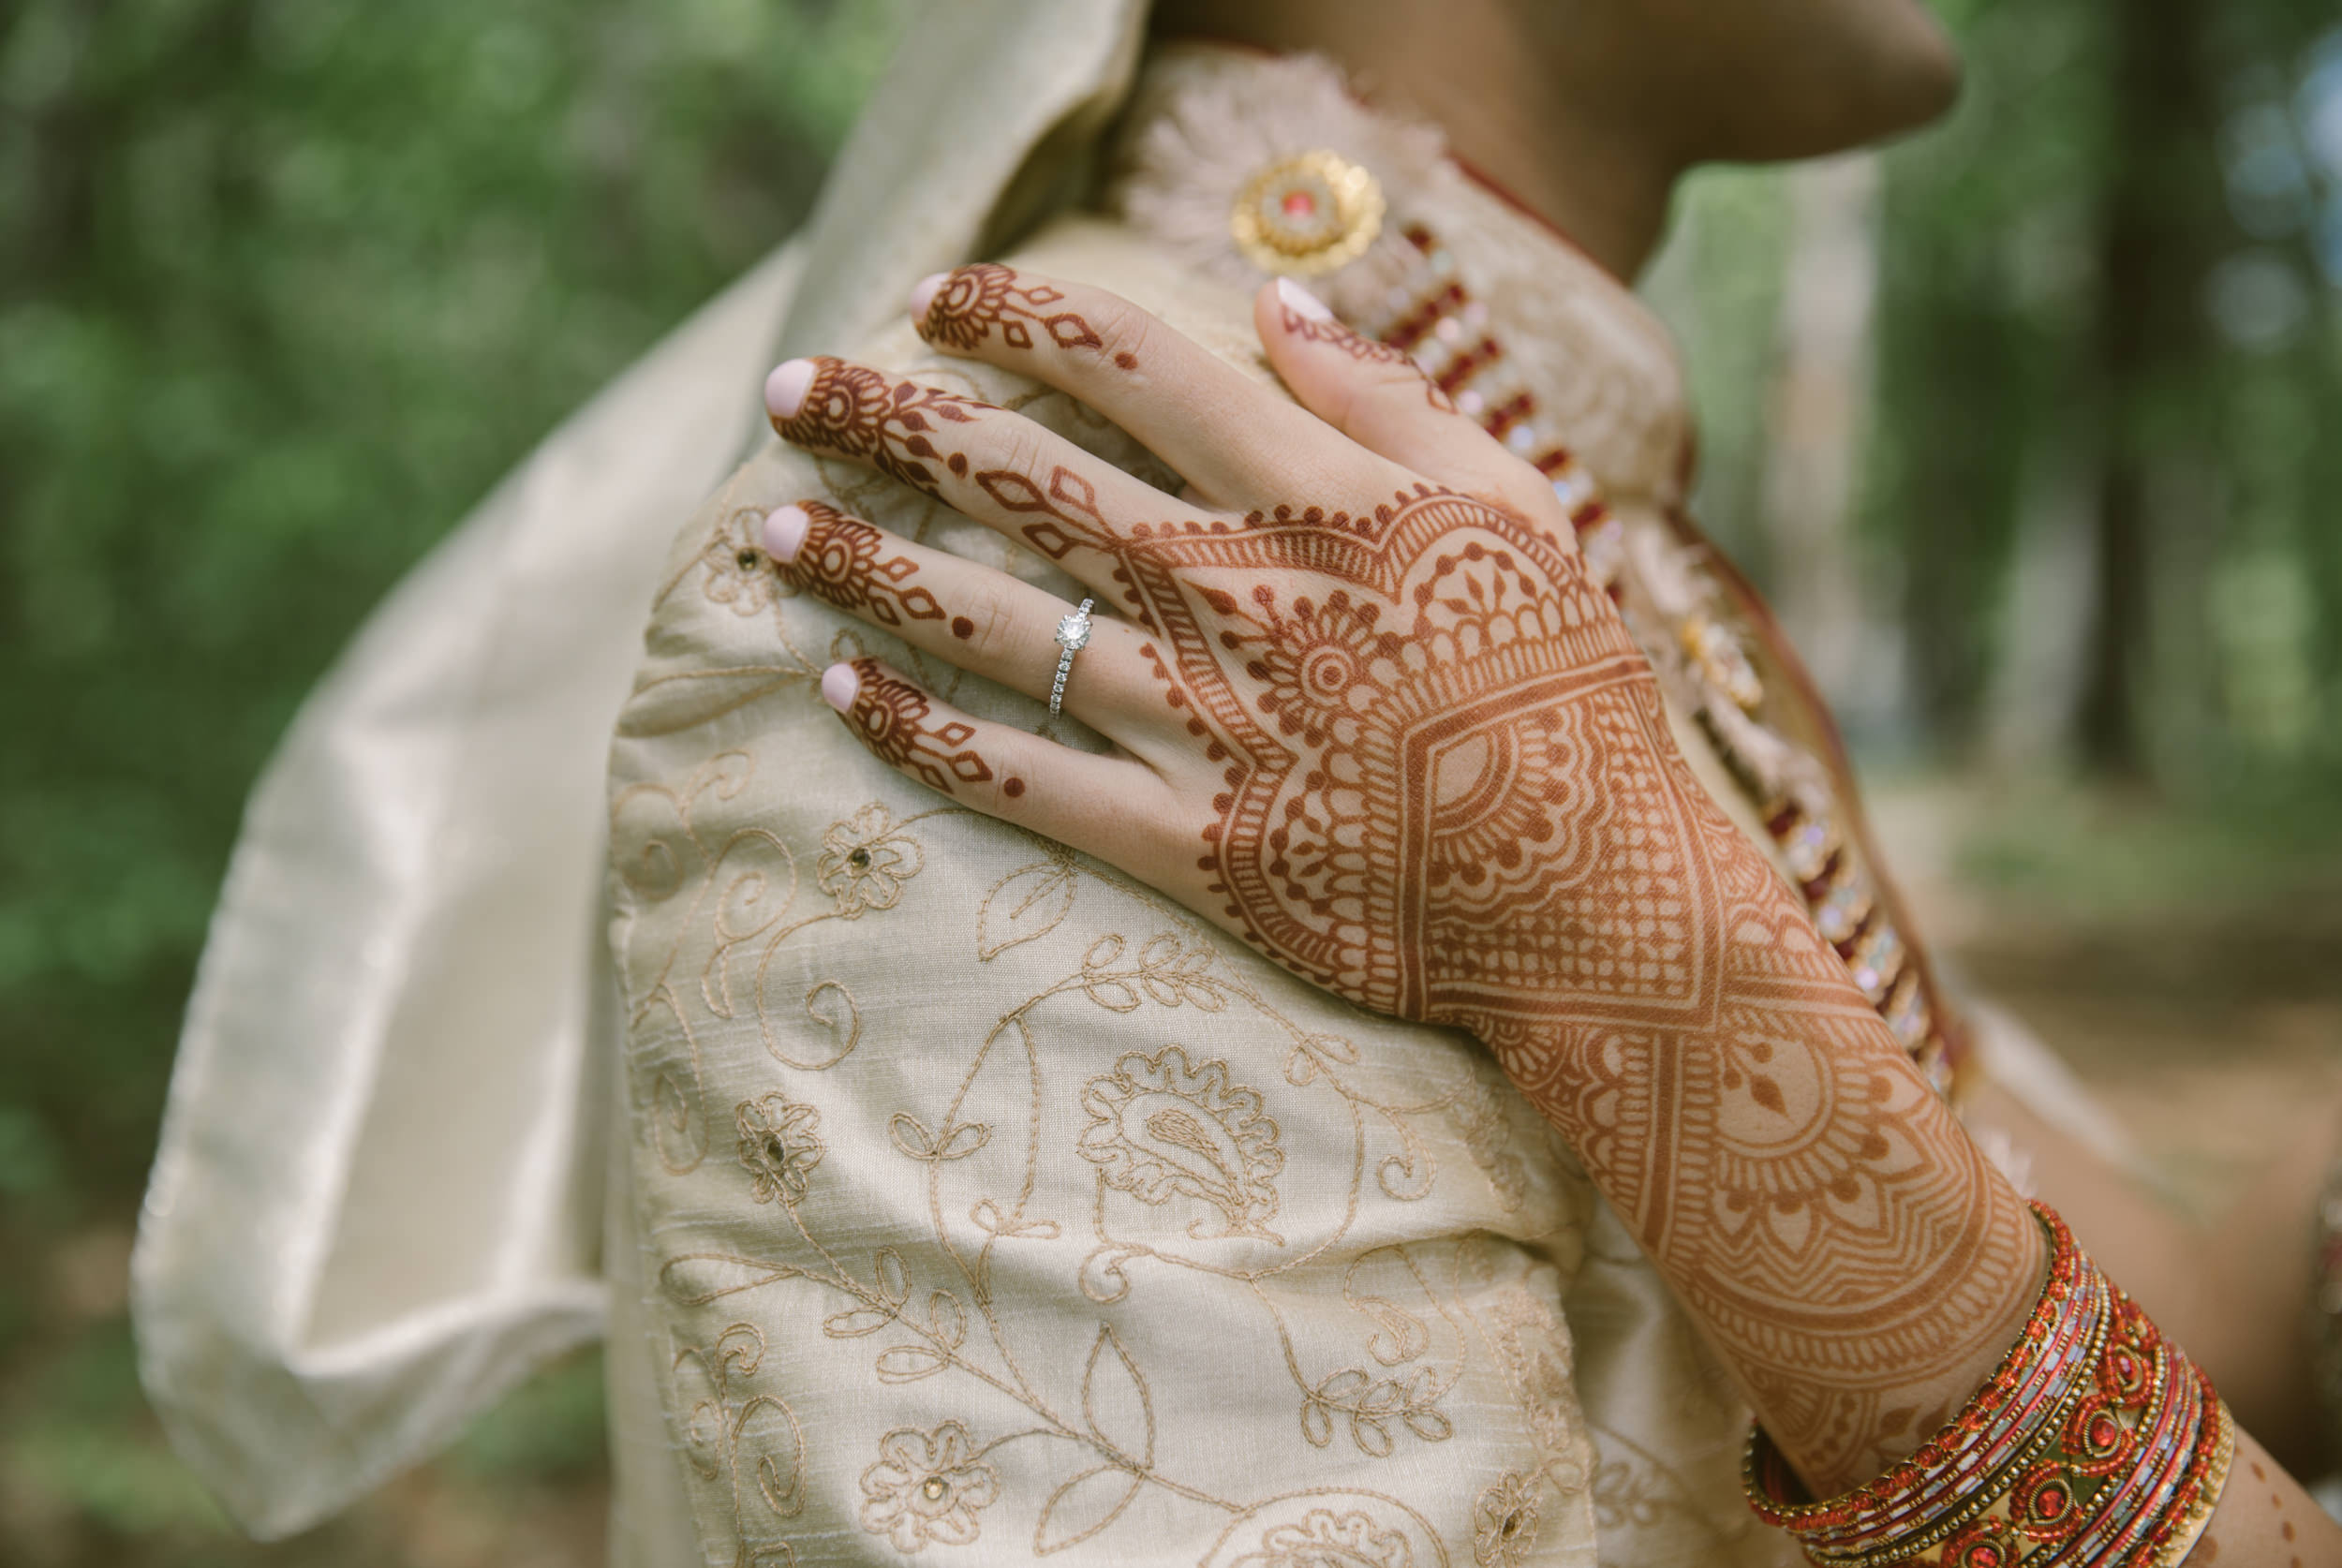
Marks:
<point>1373,716</point>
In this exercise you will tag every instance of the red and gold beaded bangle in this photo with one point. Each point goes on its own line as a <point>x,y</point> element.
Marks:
<point>2065,1327</point>
<point>2096,1443</point>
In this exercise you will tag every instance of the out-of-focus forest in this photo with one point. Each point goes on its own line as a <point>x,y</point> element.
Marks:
<point>2032,425</point>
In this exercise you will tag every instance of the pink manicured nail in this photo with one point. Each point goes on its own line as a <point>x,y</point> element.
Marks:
<point>1301,302</point>
<point>838,685</point>
<point>923,294</point>
<point>784,533</point>
<point>784,388</point>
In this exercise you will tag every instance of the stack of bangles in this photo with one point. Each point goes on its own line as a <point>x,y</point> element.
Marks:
<point>2096,1443</point>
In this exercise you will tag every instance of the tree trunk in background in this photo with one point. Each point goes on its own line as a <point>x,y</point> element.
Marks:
<point>2162,203</point>
<point>1819,398</point>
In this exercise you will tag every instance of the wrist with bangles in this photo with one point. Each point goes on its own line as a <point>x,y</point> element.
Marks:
<point>2094,1443</point>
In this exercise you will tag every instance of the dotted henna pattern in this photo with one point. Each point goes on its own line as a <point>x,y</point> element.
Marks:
<point>897,723</point>
<point>1447,790</point>
<point>1366,350</point>
<point>854,412</point>
<point>975,302</point>
<point>845,561</point>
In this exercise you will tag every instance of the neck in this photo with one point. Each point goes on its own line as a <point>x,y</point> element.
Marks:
<point>1551,128</point>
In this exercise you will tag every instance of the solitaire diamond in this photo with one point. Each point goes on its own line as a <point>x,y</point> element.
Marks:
<point>1073,631</point>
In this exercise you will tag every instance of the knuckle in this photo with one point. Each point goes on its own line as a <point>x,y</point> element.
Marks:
<point>1019,447</point>
<point>995,636</point>
<point>1124,332</point>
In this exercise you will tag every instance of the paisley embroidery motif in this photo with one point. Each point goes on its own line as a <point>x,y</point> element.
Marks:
<point>1326,1538</point>
<point>1160,1127</point>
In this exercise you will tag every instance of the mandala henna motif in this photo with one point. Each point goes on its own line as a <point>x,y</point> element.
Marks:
<point>1447,790</point>
<point>897,723</point>
<point>975,302</point>
<point>845,561</point>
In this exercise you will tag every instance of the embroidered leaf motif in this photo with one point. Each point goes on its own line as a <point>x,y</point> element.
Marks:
<point>1082,1507</point>
<point>912,1139</point>
<point>893,1281</point>
<point>1115,1402</point>
<point>910,1363</point>
<point>696,1279</point>
<point>949,1319</point>
<point>1027,904</point>
<point>988,1217</point>
<point>856,1323</point>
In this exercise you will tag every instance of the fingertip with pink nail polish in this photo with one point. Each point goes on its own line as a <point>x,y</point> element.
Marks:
<point>923,296</point>
<point>839,684</point>
<point>785,389</point>
<point>785,532</point>
<point>1301,302</point>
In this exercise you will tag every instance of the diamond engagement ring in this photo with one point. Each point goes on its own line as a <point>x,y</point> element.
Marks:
<point>1073,635</point>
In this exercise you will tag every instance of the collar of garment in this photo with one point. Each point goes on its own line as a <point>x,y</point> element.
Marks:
<point>1231,159</point>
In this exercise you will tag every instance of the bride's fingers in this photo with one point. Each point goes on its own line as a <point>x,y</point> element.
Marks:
<point>1381,399</point>
<point>995,466</point>
<point>985,622</point>
<point>1114,807</point>
<point>1233,440</point>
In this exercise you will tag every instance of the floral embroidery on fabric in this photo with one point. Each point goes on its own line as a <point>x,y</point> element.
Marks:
<point>865,860</point>
<point>779,1145</point>
<point>1505,1524</point>
<point>928,1488</point>
<point>1160,1127</point>
<point>738,573</point>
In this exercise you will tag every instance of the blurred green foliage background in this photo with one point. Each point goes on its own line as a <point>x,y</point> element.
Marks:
<point>285,285</point>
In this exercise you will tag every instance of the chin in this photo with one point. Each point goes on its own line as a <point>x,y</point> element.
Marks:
<point>1921,85</point>
<point>1840,74</point>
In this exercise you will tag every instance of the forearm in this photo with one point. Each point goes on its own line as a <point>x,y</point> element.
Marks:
<point>1858,1264</point>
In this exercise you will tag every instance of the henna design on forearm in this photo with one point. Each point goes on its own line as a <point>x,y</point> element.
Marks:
<point>845,561</point>
<point>977,300</point>
<point>1447,791</point>
<point>899,723</point>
